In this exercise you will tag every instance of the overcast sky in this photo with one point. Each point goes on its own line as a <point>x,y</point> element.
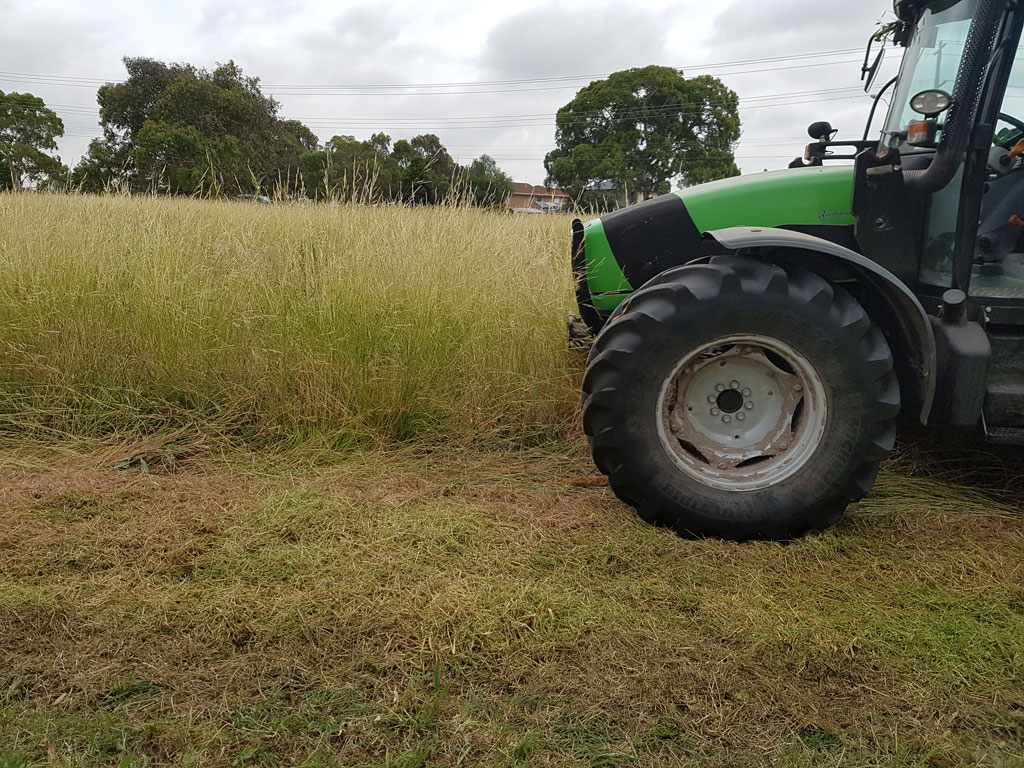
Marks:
<point>309,54</point>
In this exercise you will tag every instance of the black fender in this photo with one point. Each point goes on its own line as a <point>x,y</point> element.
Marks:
<point>892,306</point>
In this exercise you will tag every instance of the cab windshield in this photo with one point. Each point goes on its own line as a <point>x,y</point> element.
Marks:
<point>931,60</point>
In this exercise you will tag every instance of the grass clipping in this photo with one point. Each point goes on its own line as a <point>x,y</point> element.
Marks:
<point>339,322</point>
<point>396,610</point>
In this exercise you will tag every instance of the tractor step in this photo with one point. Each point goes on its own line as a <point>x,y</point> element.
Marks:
<point>1004,399</point>
<point>1004,395</point>
<point>1005,435</point>
<point>1007,355</point>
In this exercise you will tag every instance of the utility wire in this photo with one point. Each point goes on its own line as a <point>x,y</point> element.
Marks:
<point>582,114</point>
<point>88,81</point>
<point>544,120</point>
<point>346,125</point>
<point>525,90</point>
<point>404,94</point>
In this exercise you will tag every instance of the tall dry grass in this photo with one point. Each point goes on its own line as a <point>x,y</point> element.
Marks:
<point>282,322</point>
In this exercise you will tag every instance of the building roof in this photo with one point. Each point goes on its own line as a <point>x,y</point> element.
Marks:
<point>522,188</point>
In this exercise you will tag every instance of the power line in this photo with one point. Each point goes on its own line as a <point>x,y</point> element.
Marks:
<point>620,114</point>
<point>531,120</point>
<point>531,123</point>
<point>584,114</point>
<point>92,81</point>
<point>524,90</point>
<point>522,81</point>
<point>485,91</point>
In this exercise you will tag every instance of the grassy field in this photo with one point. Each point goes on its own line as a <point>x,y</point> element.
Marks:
<point>278,323</point>
<point>303,486</point>
<point>452,608</point>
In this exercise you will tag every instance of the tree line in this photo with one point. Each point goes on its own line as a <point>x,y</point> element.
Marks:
<point>181,130</point>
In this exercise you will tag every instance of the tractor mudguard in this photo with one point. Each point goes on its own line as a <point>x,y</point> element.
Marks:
<point>897,311</point>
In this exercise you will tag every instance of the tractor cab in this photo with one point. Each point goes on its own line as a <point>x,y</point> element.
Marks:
<point>757,340</point>
<point>940,202</point>
<point>956,123</point>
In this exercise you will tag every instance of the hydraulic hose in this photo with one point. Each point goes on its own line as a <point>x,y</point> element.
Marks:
<point>956,134</point>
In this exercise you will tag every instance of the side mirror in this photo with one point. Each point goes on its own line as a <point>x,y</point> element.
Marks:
<point>868,71</point>
<point>821,131</point>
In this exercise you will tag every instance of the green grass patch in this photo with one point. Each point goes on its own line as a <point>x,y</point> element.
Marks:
<point>459,609</point>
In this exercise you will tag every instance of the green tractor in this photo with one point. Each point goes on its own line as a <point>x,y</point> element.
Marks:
<point>758,339</point>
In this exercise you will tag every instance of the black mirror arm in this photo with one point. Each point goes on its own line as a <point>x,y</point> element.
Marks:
<point>874,105</point>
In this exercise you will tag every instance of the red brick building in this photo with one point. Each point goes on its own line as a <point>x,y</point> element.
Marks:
<point>527,197</point>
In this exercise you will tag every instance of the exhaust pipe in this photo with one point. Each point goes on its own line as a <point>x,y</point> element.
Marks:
<point>956,135</point>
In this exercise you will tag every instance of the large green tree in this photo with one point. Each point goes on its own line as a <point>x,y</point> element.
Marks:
<point>643,129</point>
<point>182,129</point>
<point>417,170</point>
<point>108,164</point>
<point>348,169</point>
<point>427,171</point>
<point>488,184</point>
<point>28,133</point>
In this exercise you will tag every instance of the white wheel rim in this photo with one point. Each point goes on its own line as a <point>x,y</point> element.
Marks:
<point>742,412</point>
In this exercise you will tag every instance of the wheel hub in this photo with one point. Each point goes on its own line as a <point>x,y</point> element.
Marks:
<point>742,412</point>
<point>730,400</point>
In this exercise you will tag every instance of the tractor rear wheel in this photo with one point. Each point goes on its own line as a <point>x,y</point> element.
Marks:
<point>740,400</point>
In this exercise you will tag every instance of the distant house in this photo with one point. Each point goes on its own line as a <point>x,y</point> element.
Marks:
<point>527,197</point>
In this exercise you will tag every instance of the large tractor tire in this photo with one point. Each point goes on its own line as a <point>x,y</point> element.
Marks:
<point>740,400</point>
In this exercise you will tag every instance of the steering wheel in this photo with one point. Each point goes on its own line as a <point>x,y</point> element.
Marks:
<point>1002,143</point>
<point>1012,138</point>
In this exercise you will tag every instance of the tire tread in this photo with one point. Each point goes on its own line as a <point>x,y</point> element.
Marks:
<point>648,308</point>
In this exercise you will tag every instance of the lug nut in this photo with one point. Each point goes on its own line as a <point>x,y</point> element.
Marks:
<point>711,398</point>
<point>784,446</point>
<point>715,411</point>
<point>741,416</point>
<point>719,387</point>
<point>734,385</point>
<point>798,388</point>
<point>722,465</point>
<point>748,406</point>
<point>746,393</point>
<point>727,419</point>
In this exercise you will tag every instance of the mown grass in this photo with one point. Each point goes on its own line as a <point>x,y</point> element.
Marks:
<point>342,324</point>
<point>446,608</point>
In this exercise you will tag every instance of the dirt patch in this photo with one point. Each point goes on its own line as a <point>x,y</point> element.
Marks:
<point>428,606</point>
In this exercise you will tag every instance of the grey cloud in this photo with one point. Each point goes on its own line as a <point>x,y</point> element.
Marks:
<point>796,26</point>
<point>784,28</point>
<point>367,27</point>
<point>22,43</point>
<point>362,45</point>
<point>560,41</point>
<point>227,16</point>
<point>402,41</point>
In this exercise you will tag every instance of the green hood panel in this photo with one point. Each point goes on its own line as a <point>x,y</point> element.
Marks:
<point>794,197</point>
<point>607,284</point>
<point>626,248</point>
